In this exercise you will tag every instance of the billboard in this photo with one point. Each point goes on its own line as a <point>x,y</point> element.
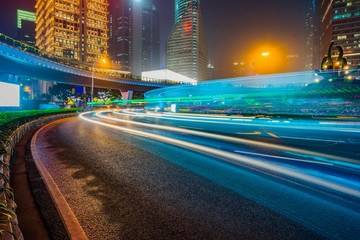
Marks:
<point>9,95</point>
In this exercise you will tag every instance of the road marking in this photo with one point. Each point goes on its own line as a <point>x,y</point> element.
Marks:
<point>250,133</point>
<point>273,135</point>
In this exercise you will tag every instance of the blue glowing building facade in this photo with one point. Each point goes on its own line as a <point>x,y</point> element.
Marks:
<point>186,48</point>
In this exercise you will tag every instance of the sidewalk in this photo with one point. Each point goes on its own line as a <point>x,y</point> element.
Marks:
<point>38,218</point>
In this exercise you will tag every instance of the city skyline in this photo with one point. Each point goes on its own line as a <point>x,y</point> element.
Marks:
<point>226,41</point>
<point>249,128</point>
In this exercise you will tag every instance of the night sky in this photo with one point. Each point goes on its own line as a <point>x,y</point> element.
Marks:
<point>233,27</point>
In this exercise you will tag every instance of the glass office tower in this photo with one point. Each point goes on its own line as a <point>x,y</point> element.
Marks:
<point>135,35</point>
<point>120,35</point>
<point>186,48</point>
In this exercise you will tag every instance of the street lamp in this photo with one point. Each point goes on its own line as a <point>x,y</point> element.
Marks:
<point>92,81</point>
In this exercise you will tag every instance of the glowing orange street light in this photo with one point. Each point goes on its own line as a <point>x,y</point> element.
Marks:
<point>92,80</point>
<point>27,89</point>
<point>265,54</point>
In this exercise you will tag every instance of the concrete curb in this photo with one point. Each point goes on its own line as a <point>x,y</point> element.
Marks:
<point>15,137</point>
<point>68,218</point>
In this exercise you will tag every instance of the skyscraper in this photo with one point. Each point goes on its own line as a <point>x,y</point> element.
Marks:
<point>135,35</point>
<point>26,26</point>
<point>312,41</point>
<point>341,24</point>
<point>186,48</point>
<point>309,33</point>
<point>120,37</point>
<point>76,29</point>
<point>150,37</point>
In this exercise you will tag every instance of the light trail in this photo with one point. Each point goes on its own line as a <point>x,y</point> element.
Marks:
<point>292,173</point>
<point>336,160</point>
<point>286,158</point>
<point>230,121</point>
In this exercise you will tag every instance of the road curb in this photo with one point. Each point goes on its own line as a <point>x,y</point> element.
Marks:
<point>68,218</point>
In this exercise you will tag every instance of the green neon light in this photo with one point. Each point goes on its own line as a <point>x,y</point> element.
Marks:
<point>235,97</point>
<point>25,15</point>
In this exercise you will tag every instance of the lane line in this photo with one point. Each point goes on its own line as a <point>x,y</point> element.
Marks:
<point>249,133</point>
<point>273,135</point>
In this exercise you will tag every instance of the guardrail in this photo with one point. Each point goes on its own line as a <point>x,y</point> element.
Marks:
<point>9,226</point>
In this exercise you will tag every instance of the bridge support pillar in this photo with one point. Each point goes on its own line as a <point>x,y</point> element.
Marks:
<point>127,95</point>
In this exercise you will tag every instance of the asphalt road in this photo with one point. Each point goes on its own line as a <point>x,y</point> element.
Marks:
<point>123,186</point>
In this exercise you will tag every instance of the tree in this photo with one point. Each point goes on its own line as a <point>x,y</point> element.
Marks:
<point>61,91</point>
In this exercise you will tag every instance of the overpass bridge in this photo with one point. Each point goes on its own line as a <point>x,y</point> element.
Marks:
<point>19,59</point>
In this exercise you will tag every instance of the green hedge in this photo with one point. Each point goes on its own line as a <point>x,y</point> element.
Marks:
<point>10,121</point>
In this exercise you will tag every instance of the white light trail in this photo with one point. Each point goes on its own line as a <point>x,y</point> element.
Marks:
<point>328,158</point>
<point>235,158</point>
<point>317,126</point>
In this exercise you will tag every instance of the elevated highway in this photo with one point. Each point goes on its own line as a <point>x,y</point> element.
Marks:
<point>22,60</point>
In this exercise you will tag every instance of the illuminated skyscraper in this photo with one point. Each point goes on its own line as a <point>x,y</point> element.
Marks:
<point>150,37</point>
<point>312,41</point>
<point>341,24</point>
<point>26,26</point>
<point>186,48</point>
<point>135,35</point>
<point>74,29</point>
<point>120,36</point>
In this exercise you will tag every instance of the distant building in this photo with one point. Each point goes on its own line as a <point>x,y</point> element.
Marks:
<point>317,57</point>
<point>292,62</point>
<point>135,35</point>
<point>120,35</point>
<point>312,58</point>
<point>211,72</point>
<point>26,26</point>
<point>150,37</point>
<point>341,24</point>
<point>186,48</point>
<point>75,30</point>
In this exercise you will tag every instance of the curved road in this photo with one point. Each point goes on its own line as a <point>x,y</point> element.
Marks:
<point>123,186</point>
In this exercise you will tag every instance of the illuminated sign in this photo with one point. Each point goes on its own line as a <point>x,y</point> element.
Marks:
<point>9,95</point>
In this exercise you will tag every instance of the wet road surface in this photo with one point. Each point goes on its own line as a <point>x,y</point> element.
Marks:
<point>121,186</point>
